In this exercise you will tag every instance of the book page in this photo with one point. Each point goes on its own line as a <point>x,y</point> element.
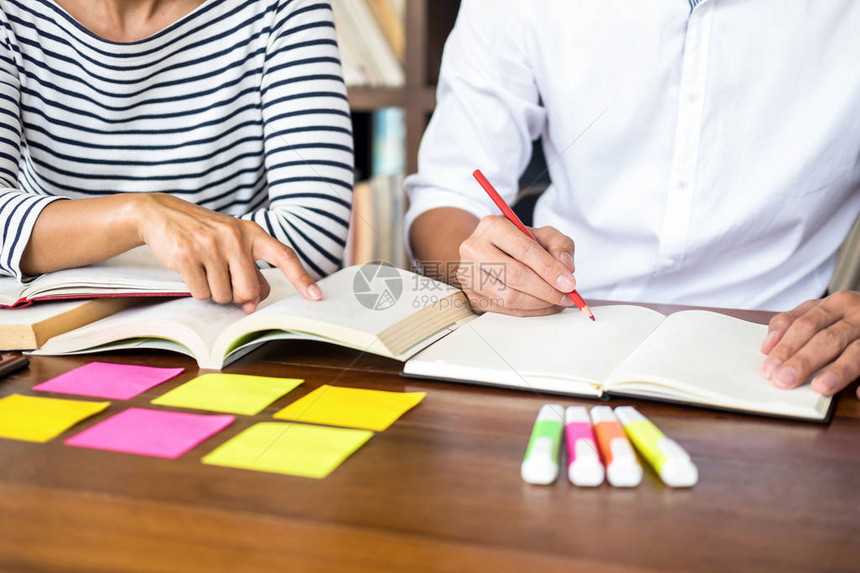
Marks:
<point>134,271</point>
<point>359,303</point>
<point>711,358</point>
<point>192,323</point>
<point>10,291</point>
<point>563,352</point>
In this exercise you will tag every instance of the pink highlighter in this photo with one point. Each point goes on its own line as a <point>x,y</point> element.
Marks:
<point>584,467</point>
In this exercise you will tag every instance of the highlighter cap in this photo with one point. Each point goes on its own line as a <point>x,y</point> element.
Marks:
<point>586,470</point>
<point>624,471</point>
<point>602,414</point>
<point>678,469</point>
<point>541,467</point>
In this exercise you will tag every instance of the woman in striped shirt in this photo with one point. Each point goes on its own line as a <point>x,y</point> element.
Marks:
<point>217,132</point>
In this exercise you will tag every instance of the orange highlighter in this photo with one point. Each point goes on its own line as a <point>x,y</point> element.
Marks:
<point>622,467</point>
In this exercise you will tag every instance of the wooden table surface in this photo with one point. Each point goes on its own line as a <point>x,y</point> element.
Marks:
<point>438,491</point>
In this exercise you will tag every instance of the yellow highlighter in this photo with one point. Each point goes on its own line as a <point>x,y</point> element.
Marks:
<point>668,459</point>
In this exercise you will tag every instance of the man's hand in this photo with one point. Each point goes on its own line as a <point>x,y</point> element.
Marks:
<point>215,254</point>
<point>503,270</point>
<point>817,334</point>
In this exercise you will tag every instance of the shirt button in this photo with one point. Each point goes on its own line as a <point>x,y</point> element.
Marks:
<point>668,264</point>
<point>692,98</point>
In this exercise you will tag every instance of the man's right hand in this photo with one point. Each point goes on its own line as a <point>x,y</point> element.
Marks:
<point>503,270</point>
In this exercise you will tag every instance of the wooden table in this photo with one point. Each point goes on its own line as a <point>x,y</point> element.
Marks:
<point>438,491</point>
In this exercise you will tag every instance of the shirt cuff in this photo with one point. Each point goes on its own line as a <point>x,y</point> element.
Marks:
<point>20,214</point>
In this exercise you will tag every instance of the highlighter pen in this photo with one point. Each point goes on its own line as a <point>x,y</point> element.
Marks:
<point>668,459</point>
<point>584,467</point>
<point>540,466</point>
<point>622,467</point>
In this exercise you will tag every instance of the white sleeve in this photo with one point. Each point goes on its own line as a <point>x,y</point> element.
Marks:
<point>487,115</point>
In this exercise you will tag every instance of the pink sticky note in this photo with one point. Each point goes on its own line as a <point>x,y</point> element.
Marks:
<point>104,380</point>
<point>151,432</point>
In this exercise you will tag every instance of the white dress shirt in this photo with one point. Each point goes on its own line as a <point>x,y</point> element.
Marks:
<point>706,156</point>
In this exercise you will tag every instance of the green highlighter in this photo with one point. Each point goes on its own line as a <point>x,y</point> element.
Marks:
<point>540,466</point>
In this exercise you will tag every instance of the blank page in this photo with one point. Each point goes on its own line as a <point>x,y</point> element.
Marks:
<point>563,352</point>
<point>714,358</point>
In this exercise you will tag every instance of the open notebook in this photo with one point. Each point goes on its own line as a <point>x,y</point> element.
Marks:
<point>395,322</point>
<point>695,357</point>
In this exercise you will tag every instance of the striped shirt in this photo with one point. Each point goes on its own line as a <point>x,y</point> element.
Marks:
<point>239,107</point>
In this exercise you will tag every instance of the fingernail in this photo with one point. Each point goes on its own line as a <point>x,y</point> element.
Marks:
<point>771,336</point>
<point>565,283</point>
<point>315,292</point>
<point>566,301</point>
<point>785,377</point>
<point>827,384</point>
<point>769,367</point>
<point>567,260</point>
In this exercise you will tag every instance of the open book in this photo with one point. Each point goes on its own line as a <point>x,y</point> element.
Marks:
<point>373,308</point>
<point>134,273</point>
<point>694,357</point>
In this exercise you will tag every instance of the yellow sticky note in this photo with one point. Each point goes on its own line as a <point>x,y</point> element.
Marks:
<point>292,449</point>
<point>233,393</point>
<point>37,419</point>
<point>351,407</point>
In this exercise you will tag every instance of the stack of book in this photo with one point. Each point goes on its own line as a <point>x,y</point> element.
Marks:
<point>376,228</point>
<point>371,38</point>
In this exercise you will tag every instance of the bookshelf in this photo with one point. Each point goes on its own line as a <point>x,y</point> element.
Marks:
<point>427,25</point>
<point>376,229</point>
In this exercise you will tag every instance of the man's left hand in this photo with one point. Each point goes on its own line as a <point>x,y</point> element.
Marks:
<point>822,334</point>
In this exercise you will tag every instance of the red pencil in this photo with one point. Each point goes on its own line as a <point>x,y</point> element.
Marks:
<point>512,217</point>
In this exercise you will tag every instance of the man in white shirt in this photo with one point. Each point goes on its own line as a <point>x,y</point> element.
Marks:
<point>701,152</point>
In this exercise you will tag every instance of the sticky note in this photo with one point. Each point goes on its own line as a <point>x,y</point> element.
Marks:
<point>38,419</point>
<point>104,380</point>
<point>292,449</point>
<point>232,393</point>
<point>151,432</point>
<point>351,407</point>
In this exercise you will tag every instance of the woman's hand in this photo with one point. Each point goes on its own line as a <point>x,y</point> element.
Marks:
<point>216,254</point>
<point>503,270</point>
<point>817,334</point>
